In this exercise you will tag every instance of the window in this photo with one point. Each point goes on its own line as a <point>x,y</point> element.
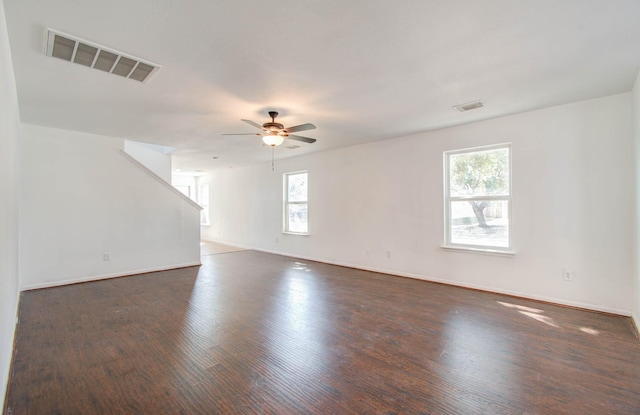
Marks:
<point>184,189</point>
<point>478,198</point>
<point>203,196</point>
<point>295,202</point>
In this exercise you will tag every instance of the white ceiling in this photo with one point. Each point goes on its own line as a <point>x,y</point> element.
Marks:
<point>360,70</point>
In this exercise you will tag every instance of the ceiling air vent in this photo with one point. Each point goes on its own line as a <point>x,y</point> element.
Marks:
<point>72,49</point>
<point>469,106</point>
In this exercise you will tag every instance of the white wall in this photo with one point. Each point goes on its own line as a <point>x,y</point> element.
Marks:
<point>636,133</point>
<point>81,198</point>
<point>573,198</point>
<point>155,158</point>
<point>9,159</point>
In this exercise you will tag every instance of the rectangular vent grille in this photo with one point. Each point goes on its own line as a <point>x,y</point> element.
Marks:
<point>72,49</point>
<point>469,106</point>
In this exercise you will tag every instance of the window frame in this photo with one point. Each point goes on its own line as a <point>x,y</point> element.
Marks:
<point>448,199</point>
<point>285,219</point>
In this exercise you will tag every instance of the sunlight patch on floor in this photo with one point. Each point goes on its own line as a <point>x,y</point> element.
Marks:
<point>301,266</point>
<point>537,314</point>
<point>212,248</point>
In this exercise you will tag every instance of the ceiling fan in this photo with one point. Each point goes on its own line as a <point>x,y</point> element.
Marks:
<point>273,133</point>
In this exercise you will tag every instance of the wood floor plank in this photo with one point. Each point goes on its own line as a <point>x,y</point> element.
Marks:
<point>256,333</point>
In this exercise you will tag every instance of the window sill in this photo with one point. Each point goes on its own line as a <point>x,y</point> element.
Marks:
<point>295,233</point>
<point>485,251</point>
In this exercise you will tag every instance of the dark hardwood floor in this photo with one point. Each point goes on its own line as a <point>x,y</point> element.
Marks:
<point>254,333</point>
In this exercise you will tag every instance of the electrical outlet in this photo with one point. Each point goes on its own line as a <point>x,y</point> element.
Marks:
<point>567,275</point>
<point>106,256</point>
<point>388,254</point>
<point>368,251</point>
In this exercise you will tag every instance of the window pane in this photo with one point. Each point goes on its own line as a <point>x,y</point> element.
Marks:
<point>297,218</point>
<point>479,173</point>
<point>480,222</point>
<point>297,187</point>
<point>204,195</point>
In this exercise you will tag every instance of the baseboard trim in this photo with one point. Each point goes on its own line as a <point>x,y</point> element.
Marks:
<point>545,299</point>
<point>478,287</point>
<point>107,276</point>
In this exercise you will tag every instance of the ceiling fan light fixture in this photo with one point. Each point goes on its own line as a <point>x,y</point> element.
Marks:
<point>273,133</point>
<point>273,139</point>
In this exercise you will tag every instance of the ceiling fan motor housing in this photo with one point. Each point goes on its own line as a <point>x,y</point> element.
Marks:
<point>272,126</point>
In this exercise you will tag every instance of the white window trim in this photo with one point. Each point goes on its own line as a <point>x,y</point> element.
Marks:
<point>285,211</point>
<point>485,249</point>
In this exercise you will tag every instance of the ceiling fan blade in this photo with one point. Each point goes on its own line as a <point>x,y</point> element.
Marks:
<point>255,124</point>
<point>300,138</point>
<point>301,127</point>
<point>242,134</point>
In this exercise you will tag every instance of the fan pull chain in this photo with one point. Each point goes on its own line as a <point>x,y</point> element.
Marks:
<point>273,148</point>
